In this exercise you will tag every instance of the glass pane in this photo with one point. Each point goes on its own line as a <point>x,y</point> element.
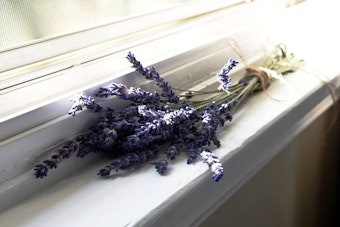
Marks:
<point>22,21</point>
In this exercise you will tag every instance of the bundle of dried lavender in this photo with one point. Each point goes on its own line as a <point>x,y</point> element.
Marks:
<point>161,125</point>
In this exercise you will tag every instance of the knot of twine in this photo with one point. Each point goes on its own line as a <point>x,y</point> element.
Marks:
<point>262,75</point>
<point>265,76</point>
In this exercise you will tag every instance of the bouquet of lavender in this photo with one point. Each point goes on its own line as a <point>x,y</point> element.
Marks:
<point>156,126</point>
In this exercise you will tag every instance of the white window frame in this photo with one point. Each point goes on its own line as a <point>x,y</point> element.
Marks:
<point>31,117</point>
<point>66,74</point>
<point>38,79</point>
<point>39,99</point>
<point>17,63</point>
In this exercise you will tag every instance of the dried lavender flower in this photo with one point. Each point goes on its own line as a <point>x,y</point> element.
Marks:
<point>136,95</point>
<point>152,74</point>
<point>80,101</point>
<point>160,124</point>
<point>223,76</point>
<point>217,169</point>
<point>128,160</point>
<point>212,161</point>
<point>65,152</point>
<point>161,166</point>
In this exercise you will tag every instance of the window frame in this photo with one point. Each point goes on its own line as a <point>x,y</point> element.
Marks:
<point>17,62</point>
<point>34,84</point>
<point>44,120</point>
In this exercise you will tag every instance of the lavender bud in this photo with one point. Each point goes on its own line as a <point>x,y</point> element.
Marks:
<point>161,166</point>
<point>223,76</point>
<point>80,101</point>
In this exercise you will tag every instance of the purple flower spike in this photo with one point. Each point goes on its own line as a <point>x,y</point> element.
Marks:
<point>217,169</point>
<point>151,74</point>
<point>136,95</point>
<point>127,161</point>
<point>209,158</point>
<point>171,152</point>
<point>40,171</point>
<point>223,76</point>
<point>212,161</point>
<point>80,101</point>
<point>161,166</point>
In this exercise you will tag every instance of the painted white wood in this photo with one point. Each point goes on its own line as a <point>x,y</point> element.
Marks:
<point>260,129</point>
<point>187,193</point>
<point>36,112</point>
<point>73,75</point>
<point>96,42</point>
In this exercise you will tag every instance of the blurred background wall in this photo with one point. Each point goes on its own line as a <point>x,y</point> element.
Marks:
<point>299,187</point>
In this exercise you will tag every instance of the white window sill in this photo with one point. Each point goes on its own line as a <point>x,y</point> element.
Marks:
<point>187,195</point>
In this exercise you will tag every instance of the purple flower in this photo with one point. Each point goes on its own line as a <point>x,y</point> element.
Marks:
<point>151,120</point>
<point>223,76</point>
<point>161,166</point>
<point>192,154</point>
<point>138,66</point>
<point>217,169</point>
<point>211,119</point>
<point>166,88</point>
<point>152,74</point>
<point>136,95</point>
<point>63,153</point>
<point>207,157</point>
<point>109,138</point>
<point>40,171</point>
<point>224,110</point>
<point>130,111</point>
<point>129,160</point>
<point>177,116</point>
<point>104,172</point>
<point>212,161</point>
<point>148,112</point>
<point>158,126</point>
<point>80,101</point>
<point>171,152</point>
